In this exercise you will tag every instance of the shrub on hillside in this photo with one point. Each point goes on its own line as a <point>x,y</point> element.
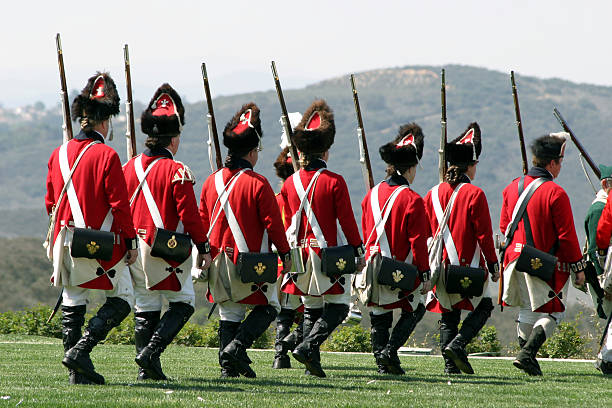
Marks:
<point>566,342</point>
<point>349,338</point>
<point>31,321</point>
<point>485,342</point>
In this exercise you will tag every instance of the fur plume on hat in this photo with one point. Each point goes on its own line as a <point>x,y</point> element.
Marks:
<point>406,149</point>
<point>163,125</point>
<point>96,108</point>
<point>466,148</point>
<point>283,164</point>
<point>248,138</point>
<point>319,139</point>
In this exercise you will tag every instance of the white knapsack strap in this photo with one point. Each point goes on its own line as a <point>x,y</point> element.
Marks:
<point>380,219</point>
<point>305,205</point>
<point>527,192</point>
<point>146,191</point>
<point>443,217</point>
<point>146,173</point>
<point>224,205</point>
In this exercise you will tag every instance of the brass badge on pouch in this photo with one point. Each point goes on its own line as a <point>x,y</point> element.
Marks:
<point>397,276</point>
<point>259,268</point>
<point>341,264</point>
<point>536,263</point>
<point>465,282</point>
<point>172,242</point>
<point>92,247</point>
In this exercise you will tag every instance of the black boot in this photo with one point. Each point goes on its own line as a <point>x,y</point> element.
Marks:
<point>249,330</point>
<point>284,321</point>
<point>307,352</point>
<point>227,332</point>
<point>379,336</point>
<point>311,315</point>
<point>526,358</point>
<point>295,337</point>
<point>169,326</point>
<point>73,318</point>
<point>448,330</point>
<point>110,315</point>
<point>402,330</point>
<point>472,324</point>
<point>144,325</point>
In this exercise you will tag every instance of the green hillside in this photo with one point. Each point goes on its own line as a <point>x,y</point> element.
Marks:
<point>389,98</point>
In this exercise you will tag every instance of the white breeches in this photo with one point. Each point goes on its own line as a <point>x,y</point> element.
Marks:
<point>77,296</point>
<point>605,353</point>
<point>151,300</point>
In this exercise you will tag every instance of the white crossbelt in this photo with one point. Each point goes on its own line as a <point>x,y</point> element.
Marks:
<point>75,207</point>
<point>449,243</point>
<point>294,228</point>
<point>380,219</point>
<point>146,191</point>
<point>223,192</point>
<point>534,185</point>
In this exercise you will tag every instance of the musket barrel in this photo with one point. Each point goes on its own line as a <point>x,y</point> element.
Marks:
<point>579,146</point>
<point>443,136</point>
<point>67,125</point>
<point>364,156</point>
<point>285,119</point>
<point>211,118</point>
<point>130,132</point>
<point>519,123</point>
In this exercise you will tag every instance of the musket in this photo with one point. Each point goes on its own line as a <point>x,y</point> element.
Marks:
<point>130,132</point>
<point>213,137</point>
<point>285,119</point>
<point>579,146</point>
<point>364,156</point>
<point>67,125</point>
<point>442,150</point>
<point>519,124</point>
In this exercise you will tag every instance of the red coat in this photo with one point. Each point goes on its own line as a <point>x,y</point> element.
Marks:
<point>407,228</point>
<point>550,215</point>
<point>99,185</point>
<point>469,225</point>
<point>604,227</point>
<point>174,197</point>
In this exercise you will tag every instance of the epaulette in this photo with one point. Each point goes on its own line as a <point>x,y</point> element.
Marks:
<point>183,174</point>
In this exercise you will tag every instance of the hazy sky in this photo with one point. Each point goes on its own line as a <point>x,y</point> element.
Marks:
<point>309,40</point>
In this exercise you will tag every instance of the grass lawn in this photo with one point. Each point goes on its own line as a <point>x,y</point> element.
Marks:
<point>31,375</point>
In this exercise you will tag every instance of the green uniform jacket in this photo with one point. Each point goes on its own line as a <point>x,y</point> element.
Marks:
<point>590,226</point>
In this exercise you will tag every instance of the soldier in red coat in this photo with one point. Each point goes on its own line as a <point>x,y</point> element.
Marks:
<point>395,226</point>
<point>315,200</point>
<point>468,241</point>
<point>162,199</point>
<point>240,213</point>
<point>548,225</point>
<point>291,305</point>
<point>86,191</point>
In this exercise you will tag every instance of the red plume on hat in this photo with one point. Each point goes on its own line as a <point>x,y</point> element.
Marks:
<point>406,149</point>
<point>99,99</point>
<point>165,114</point>
<point>242,133</point>
<point>466,148</point>
<point>315,132</point>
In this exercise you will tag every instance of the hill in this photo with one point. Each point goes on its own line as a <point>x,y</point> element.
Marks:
<point>389,98</point>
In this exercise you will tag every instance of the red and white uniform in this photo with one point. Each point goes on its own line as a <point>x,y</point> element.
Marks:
<point>405,239</point>
<point>470,228</point>
<point>98,186</point>
<point>552,223</point>
<point>287,301</point>
<point>254,208</point>
<point>328,204</point>
<point>169,184</point>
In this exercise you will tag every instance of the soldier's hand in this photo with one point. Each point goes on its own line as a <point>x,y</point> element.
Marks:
<point>204,261</point>
<point>360,264</point>
<point>493,268</point>
<point>198,275</point>
<point>601,257</point>
<point>579,281</point>
<point>608,295</point>
<point>427,286</point>
<point>131,256</point>
<point>287,265</point>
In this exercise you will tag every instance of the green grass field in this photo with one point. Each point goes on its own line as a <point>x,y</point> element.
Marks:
<point>31,375</point>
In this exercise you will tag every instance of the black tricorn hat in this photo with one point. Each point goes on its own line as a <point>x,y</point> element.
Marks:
<point>466,148</point>
<point>549,147</point>
<point>315,132</point>
<point>243,132</point>
<point>406,149</point>
<point>165,114</point>
<point>99,99</point>
<point>284,164</point>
